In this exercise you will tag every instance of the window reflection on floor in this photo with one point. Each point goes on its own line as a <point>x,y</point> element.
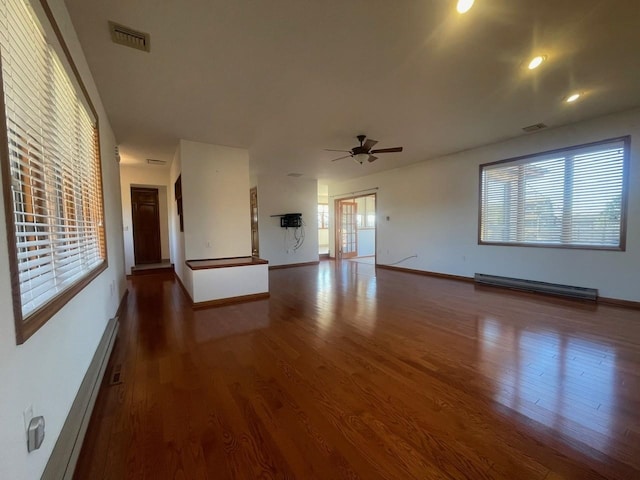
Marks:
<point>563,382</point>
<point>347,279</point>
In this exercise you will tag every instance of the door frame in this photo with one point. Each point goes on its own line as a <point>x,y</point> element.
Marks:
<point>337,222</point>
<point>253,212</point>
<point>147,189</point>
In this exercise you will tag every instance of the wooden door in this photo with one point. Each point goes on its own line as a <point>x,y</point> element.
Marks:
<point>347,229</point>
<point>253,201</point>
<point>146,225</point>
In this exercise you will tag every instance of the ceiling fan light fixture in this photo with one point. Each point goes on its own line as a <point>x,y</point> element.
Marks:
<point>361,157</point>
<point>464,5</point>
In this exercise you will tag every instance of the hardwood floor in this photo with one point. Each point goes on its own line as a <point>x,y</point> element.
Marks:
<point>351,373</point>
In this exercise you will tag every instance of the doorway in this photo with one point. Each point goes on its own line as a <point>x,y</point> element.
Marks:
<point>146,225</point>
<point>356,228</point>
<point>255,239</point>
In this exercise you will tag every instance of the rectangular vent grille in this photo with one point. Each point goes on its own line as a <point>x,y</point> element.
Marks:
<point>538,287</point>
<point>534,128</point>
<point>130,38</point>
<point>116,375</point>
<point>152,161</point>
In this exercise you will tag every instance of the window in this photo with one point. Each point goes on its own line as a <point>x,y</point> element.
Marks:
<point>323,215</point>
<point>51,170</point>
<point>574,197</point>
<point>366,216</point>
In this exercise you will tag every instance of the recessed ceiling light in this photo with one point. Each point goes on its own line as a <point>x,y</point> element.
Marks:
<point>537,61</point>
<point>573,97</point>
<point>464,5</point>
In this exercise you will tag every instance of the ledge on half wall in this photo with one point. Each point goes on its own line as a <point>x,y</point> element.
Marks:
<point>223,281</point>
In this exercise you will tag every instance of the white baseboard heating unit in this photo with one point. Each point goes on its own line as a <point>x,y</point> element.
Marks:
<point>62,461</point>
<point>538,287</point>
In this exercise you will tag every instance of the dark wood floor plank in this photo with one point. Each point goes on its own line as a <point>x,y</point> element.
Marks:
<point>348,372</point>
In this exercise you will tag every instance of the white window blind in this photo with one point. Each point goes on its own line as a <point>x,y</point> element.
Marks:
<point>54,163</point>
<point>572,197</point>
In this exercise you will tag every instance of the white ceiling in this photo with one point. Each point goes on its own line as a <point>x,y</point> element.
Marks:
<point>289,78</point>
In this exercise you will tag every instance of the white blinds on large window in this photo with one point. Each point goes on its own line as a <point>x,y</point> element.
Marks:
<point>54,163</point>
<point>572,197</point>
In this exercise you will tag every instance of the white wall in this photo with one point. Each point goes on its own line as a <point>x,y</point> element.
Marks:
<point>366,236</point>
<point>323,237</point>
<point>278,195</point>
<point>366,242</point>
<point>433,212</point>
<point>215,189</point>
<point>150,177</point>
<point>219,283</point>
<point>47,370</point>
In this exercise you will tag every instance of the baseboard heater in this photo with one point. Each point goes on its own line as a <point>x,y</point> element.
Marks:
<point>538,287</point>
<point>62,462</point>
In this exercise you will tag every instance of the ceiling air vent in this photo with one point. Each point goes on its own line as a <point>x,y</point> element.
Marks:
<point>152,161</point>
<point>129,37</point>
<point>534,128</point>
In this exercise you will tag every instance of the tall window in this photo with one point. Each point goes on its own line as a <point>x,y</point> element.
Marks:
<point>51,171</point>
<point>366,216</point>
<point>323,215</point>
<point>574,197</point>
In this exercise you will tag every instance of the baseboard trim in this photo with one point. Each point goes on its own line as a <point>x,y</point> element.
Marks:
<point>230,300</point>
<point>601,300</point>
<point>293,265</point>
<point>615,302</point>
<point>426,273</point>
<point>123,303</point>
<point>184,289</point>
<point>63,459</point>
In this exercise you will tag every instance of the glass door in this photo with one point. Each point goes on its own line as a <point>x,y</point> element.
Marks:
<point>347,231</point>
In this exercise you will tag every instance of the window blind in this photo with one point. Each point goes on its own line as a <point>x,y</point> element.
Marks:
<point>54,163</point>
<point>572,197</point>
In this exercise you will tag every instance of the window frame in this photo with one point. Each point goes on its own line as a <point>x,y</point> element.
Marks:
<point>26,327</point>
<point>367,214</point>
<point>323,225</point>
<point>621,247</point>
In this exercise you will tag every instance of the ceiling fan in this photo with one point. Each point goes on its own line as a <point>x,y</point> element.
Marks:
<point>363,151</point>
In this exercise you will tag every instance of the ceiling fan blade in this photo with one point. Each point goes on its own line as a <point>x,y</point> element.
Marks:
<point>368,144</point>
<point>372,158</point>
<point>336,159</point>
<point>387,150</point>
<point>331,150</point>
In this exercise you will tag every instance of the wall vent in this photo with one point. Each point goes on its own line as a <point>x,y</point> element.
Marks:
<point>129,37</point>
<point>538,287</point>
<point>534,128</point>
<point>116,375</point>
<point>294,175</point>
<point>153,161</point>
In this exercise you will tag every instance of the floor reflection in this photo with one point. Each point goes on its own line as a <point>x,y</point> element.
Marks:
<point>337,285</point>
<point>561,381</point>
